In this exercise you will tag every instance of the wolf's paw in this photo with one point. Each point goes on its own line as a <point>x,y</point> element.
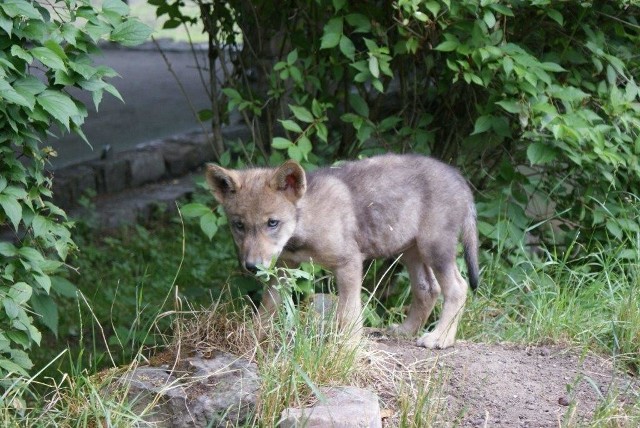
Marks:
<point>436,341</point>
<point>400,330</point>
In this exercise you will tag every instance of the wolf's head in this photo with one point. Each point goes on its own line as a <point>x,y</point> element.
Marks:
<point>261,207</point>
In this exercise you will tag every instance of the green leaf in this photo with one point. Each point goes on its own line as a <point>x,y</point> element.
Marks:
<point>18,337</point>
<point>614,229</point>
<point>420,16</point>
<point>510,106</point>
<point>44,281</point>
<point>40,226</point>
<point>7,249</point>
<point>11,367</point>
<point>292,57</point>
<point>21,358</point>
<point>295,153</point>
<point>209,224</point>
<point>556,16</point>
<point>20,292</point>
<point>552,66</point>
<point>20,8</point>
<point>502,9</point>
<point>12,209</point>
<point>30,254</point>
<point>304,144</point>
<point>7,92</point>
<point>339,4</point>
<point>11,308</point>
<point>44,306</point>
<point>359,22</point>
<point>48,57</point>
<point>323,132</point>
<point>17,51</point>
<point>6,24</point>
<point>131,33</point>
<point>316,108</point>
<point>489,18</point>
<point>56,48</point>
<point>507,65</point>
<point>64,287</point>
<point>540,153</point>
<point>347,48</point>
<point>301,113</point>
<point>332,33</point>
<point>58,105</point>
<point>29,84</point>
<point>290,125</point>
<point>374,68</point>
<point>483,124</point>
<point>447,46</point>
<point>194,209</point>
<point>433,7</point>
<point>116,7</point>
<point>358,104</point>
<point>205,115</point>
<point>280,143</point>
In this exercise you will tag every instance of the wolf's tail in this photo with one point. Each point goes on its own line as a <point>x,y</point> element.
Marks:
<point>469,240</point>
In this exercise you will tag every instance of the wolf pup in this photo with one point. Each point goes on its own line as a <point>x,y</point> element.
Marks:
<point>389,205</point>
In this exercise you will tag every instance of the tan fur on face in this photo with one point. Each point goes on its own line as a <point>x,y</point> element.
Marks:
<point>253,198</point>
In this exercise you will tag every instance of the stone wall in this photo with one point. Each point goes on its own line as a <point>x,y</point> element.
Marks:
<point>150,162</point>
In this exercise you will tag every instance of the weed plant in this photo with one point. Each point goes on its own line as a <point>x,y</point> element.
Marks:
<point>169,286</point>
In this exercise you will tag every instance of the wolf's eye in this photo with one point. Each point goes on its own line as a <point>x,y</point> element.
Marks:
<point>238,225</point>
<point>272,224</point>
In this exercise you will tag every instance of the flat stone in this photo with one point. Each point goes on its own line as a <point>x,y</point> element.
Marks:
<point>180,157</point>
<point>345,407</point>
<point>111,211</point>
<point>70,184</point>
<point>112,175</point>
<point>145,166</point>
<point>217,392</point>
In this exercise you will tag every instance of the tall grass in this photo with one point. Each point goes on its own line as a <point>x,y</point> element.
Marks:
<point>590,302</point>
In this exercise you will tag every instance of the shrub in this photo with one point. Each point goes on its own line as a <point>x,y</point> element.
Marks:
<point>536,100</point>
<point>45,50</point>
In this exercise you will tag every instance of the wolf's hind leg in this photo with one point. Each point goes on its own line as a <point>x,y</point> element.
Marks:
<point>454,291</point>
<point>424,294</point>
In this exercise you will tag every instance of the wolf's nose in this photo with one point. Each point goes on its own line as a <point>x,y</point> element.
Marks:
<point>251,267</point>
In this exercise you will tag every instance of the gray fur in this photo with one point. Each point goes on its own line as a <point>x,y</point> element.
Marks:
<point>339,216</point>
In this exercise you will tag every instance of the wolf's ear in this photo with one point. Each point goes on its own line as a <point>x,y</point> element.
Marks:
<point>222,182</point>
<point>291,179</point>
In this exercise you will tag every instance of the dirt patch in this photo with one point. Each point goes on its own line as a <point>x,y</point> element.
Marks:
<point>508,385</point>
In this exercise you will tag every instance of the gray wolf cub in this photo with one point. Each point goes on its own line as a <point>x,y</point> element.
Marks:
<point>388,205</point>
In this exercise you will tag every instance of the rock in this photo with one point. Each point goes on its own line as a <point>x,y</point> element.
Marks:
<point>180,157</point>
<point>145,166</point>
<point>112,175</point>
<point>70,184</point>
<point>324,305</point>
<point>217,392</point>
<point>345,407</point>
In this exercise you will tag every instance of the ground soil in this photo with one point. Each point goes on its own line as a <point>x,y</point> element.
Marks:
<point>508,385</point>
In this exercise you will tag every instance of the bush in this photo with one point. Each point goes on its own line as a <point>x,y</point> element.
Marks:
<point>44,51</point>
<point>536,100</point>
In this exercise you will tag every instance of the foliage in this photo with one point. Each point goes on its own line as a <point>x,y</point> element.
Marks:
<point>536,100</point>
<point>44,52</point>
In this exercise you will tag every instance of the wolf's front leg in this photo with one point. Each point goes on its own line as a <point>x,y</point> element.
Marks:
<point>271,299</point>
<point>349,312</point>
